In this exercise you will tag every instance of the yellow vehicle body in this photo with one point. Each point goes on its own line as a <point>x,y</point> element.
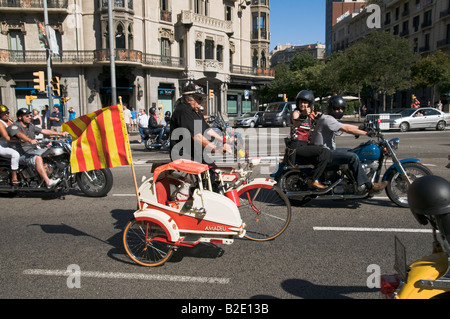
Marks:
<point>429,268</point>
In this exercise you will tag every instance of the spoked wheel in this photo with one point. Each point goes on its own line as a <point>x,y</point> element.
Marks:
<point>397,188</point>
<point>146,243</point>
<point>265,211</point>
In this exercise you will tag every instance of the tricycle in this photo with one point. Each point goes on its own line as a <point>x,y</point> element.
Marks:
<point>182,206</point>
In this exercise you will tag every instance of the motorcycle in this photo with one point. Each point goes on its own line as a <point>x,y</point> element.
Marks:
<point>56,158</point>
<point>151,140</point>
<point>428,277</point>
<point>342,185</point>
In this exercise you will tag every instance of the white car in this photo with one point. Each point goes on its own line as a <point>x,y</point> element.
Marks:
<point>421,118</point>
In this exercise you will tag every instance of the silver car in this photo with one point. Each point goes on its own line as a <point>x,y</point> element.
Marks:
<point>421,118</point>
<point>250,119</point>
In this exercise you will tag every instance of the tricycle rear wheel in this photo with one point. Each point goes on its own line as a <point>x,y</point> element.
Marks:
<point>146,243</point>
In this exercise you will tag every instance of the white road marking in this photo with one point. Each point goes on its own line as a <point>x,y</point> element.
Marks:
<point>134,276</point>
<point>362,229</point>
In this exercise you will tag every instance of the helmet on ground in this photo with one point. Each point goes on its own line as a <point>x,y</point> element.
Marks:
<point>305,95</point>
<point>22,111</point>
<point>336,103</point>
<point>430,196</point>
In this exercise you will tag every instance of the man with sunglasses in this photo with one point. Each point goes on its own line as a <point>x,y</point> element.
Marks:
<point>23,137</point>
<point>324,134</point>
<point>189,130</point>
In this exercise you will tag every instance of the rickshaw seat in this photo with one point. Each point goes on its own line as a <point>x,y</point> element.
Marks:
<point>162,191</point>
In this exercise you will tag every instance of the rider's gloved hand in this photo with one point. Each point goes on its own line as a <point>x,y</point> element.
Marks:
<point>371,133</point>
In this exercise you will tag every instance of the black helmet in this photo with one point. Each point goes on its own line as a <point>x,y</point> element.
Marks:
<point>152,110</point>
<point>3,110</point>
<point>336,102</point>
<point>22,111</point>
<point>168,114</point>
<point>305,95</point>
<point>430,196</point>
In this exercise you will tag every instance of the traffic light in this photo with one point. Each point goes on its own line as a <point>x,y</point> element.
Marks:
<point>56,91</point>
<point>29,98</point>
<point>40,80</point>
<point>211,94</point>
<point>65,99</point>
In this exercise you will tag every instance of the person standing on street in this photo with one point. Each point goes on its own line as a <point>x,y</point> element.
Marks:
<point>56,119</point>
<point>142,121</point>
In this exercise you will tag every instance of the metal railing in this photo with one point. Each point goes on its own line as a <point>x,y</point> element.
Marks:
<point>51,4</point>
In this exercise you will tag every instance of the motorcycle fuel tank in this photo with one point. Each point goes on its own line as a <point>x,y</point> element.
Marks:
<point>369,152</point>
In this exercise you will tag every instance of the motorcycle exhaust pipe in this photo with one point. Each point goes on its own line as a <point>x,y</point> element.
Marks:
<point>313,192</point>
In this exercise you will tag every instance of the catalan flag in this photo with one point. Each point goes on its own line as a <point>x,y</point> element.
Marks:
<point>100,140</point>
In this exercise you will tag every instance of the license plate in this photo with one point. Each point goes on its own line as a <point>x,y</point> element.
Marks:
<point>400,259</point>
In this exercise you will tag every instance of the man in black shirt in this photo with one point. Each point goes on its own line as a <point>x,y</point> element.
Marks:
<point>190,134</point>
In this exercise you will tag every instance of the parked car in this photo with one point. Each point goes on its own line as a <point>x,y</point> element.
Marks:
<point>278,114</point>
<point>250,119</point>
<point>421,118</point>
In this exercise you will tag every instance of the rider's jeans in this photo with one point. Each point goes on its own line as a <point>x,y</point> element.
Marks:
<point>342,156</point>
<point>159,131</point>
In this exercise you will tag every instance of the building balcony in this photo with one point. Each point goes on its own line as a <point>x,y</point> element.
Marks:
<point>252,71</point>
<point>122,56</point>
<point>36,5</point>
<point>192,19</point>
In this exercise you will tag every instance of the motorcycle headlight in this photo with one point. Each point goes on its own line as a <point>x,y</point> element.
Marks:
<point>394,143</point>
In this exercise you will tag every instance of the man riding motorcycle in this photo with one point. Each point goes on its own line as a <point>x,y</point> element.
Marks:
<point>153,125</point>
<point>324,135</point>
<point>24,143</point>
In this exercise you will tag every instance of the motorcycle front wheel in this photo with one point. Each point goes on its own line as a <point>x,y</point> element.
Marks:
<point>95,183</point>
<point>397,188</point>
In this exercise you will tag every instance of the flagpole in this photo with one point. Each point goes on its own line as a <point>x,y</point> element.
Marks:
<point>112,54</point>
<point>132,164</point>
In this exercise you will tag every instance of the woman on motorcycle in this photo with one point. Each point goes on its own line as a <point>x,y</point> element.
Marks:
<point>6,151</point>
<point>301,124</point>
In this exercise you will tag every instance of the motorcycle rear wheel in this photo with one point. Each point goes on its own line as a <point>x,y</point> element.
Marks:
<point>397,188</point>
<point>146,243</point>
<point>95,183</point>
<point>150,144</point>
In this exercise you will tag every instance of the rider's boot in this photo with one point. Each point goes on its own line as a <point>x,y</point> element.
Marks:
<point>315,184</point>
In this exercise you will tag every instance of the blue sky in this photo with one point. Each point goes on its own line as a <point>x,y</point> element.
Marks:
<point>297,22</point>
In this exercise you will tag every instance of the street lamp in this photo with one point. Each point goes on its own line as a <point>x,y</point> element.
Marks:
<point>244,4</point>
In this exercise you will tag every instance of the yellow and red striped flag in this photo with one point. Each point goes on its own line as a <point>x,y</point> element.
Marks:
<point>100,140</point>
